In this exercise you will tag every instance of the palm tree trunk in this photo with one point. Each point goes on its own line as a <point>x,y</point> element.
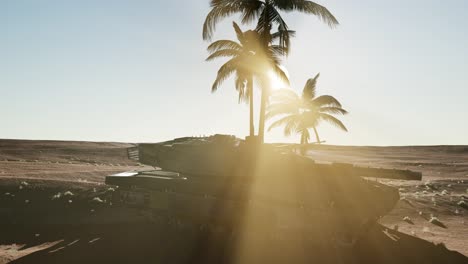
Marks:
<point>303,142</point>
<point>263,103</point>
<point>316,135</point>
<point>251,105</point>
<point>266,38</point>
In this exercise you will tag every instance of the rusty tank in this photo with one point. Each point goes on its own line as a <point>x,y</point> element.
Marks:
<point>225,184</point>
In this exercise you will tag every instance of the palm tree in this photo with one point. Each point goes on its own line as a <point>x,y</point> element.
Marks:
<point>267,13</point>
<point>301,113</point>
<point>247,59</point>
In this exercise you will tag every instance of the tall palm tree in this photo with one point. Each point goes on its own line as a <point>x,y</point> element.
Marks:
<point>301,113</point>
<point>267,14</point>
<point>248,59</point>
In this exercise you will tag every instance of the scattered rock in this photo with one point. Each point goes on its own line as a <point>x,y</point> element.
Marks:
<point>98,200</point>
<point>462,204</point>
<point>408,220</point>
<point>57,196</point>
<point>435,221</point>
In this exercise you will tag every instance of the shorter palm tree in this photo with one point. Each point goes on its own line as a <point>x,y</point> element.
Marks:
<point>241,63</point>
<point>301,113</point>
<point>247,59</point>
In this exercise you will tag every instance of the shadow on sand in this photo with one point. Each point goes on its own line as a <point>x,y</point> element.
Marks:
<point>152,244</point>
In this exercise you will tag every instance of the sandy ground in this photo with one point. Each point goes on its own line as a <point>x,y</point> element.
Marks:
<point>32,173</point>
<point>441,193</point>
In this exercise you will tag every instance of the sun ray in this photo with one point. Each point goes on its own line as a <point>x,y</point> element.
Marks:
<point>275,82</point>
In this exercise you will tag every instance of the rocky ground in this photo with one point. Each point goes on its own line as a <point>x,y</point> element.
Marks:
<point>441,195</point>
<point>58,182</point>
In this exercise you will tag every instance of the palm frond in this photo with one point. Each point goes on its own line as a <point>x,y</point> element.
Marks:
<point>221,9</point>
<point>284,39</point>
<point>278,50</point>
<point>223,44</point>
<point>309,118</point>
<point>333,120</point>
<point>333,110</point>
<point>309,91</point>
<point>285,96</point>
<point>326,100</point>
<point>223,53</point>
<point>214,17</point>
<point>281,109</point>
<point>282,121</point>
<point>239,33</point>
<point>291,126</point>
<point>268,16</point>
<point>251,11</point>
<point>308,7</point>
<point>280,73</point>
<point>278,34</point>
<point>226,70</point>
<point>241,86</point>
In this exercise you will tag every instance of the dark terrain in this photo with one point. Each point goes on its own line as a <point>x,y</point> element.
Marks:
<point>45,186</point>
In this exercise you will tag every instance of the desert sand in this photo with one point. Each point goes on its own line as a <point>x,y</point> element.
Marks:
<point>54,181</point>
<point>439,194</point>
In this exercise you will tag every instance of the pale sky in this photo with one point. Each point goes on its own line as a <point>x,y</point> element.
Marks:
<point>134,71</point>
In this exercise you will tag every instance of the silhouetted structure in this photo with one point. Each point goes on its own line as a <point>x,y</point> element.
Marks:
<point>255,194</point>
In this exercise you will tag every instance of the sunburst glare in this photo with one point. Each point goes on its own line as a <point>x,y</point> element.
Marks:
<point>276,82</point>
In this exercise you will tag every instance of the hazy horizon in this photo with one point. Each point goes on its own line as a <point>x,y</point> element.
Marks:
<point>134,71</point>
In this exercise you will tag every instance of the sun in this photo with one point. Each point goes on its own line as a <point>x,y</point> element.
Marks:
<point>276,82</point>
